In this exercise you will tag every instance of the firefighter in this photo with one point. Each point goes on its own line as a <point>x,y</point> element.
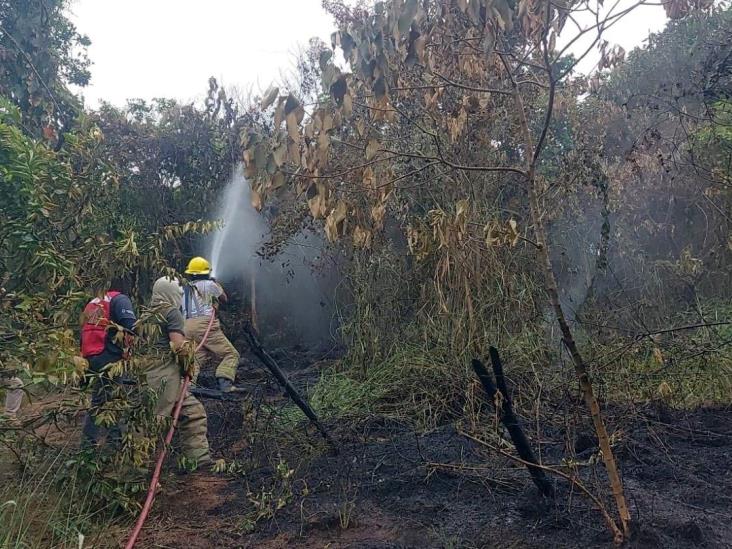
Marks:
<point>165,374</point>
<point>107,325</point>
<point>199,301</point>
<point>14,395</point>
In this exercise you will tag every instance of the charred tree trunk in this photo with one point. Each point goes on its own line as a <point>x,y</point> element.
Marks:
<point>253,299</point>
<point>270,363</point>
<point>510,421</point>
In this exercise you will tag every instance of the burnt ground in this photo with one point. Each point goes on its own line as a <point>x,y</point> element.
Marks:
<point>392,487</point>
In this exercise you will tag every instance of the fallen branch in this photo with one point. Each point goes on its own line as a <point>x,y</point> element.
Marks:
<point>202,392</point>
<point>600,506</point>
<point>270,363</point>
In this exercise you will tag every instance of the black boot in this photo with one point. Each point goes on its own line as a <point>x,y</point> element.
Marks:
<point>225,385</point>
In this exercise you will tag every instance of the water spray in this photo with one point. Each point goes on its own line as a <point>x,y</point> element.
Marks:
<point>230,207</point>
<point>291,294</point>
<point>233,253</point>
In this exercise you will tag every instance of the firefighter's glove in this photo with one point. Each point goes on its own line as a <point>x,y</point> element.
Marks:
<point>81,366</point>
<point>185,356</point>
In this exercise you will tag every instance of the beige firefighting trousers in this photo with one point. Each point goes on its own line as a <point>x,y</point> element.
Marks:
<point>164,378</point>
<point>13,397</point>
<point>216,346</point>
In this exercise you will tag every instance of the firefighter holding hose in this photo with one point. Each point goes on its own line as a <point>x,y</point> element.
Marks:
<point>199,301</point>
<point>165,376</point>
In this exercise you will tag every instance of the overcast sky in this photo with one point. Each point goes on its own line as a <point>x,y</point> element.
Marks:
<point>169,48</point>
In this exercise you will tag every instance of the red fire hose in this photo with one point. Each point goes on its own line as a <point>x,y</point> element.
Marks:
<point>164,450</point>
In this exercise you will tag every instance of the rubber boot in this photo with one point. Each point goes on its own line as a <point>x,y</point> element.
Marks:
<point>225,385</point>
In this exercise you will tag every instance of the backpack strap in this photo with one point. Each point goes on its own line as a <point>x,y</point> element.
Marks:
<point>191,292</point>
<point>186,301</point>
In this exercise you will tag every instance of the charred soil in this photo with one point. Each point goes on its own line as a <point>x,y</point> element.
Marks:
<point>391,486</point>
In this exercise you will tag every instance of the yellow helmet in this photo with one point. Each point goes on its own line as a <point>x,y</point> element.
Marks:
<point>198,266</point>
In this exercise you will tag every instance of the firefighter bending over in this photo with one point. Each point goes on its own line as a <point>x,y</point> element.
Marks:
<point>165,375</point>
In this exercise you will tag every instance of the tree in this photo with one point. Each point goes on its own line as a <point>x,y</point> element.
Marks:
<point>443,118</point>
<point>662,115</point>
<point>41,53</point>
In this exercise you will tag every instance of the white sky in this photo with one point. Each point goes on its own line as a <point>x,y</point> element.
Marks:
<point>169,48</point>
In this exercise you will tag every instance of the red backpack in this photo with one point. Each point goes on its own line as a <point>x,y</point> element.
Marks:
<point>95,322</point>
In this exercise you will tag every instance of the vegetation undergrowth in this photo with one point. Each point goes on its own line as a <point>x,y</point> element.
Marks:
<point>53,502</point>
<point>425,384</point>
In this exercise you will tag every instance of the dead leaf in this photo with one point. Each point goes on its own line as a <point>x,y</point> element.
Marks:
<point>292,127</point>
<point>335,222</point>
<point>250,169</point>
<point>291,104</point>
<point>278,180</point>
<point>256,200</point>
<point>457,124</point>
<point>658,356</point>
<point>377,214</point>
<point>407,16</point>
<point>380,87</point>
<point>347,105</point>
<point>279,114</point>
<point>372,147</point>
<point>260,156</point>
<point>317,202</point>
<point>512,233</point>
<point>293,153</point>
<point>664,390</point>
<point>269,96</point>
<point>462,209</point>
<point>339,89</point>
<point>504,14</point>
<point>279,154</point>
<point>419,47</point>
<point>325,56</point>
<point>362,237</point>
<point>492,234</point>
<point>300,114</point>
<point>368,177</point>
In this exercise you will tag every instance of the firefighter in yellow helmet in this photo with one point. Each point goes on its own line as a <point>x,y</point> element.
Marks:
<point>199,300</point>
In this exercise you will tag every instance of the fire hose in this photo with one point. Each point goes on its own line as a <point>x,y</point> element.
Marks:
<point>164,450</point>
<point>268,361</point>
